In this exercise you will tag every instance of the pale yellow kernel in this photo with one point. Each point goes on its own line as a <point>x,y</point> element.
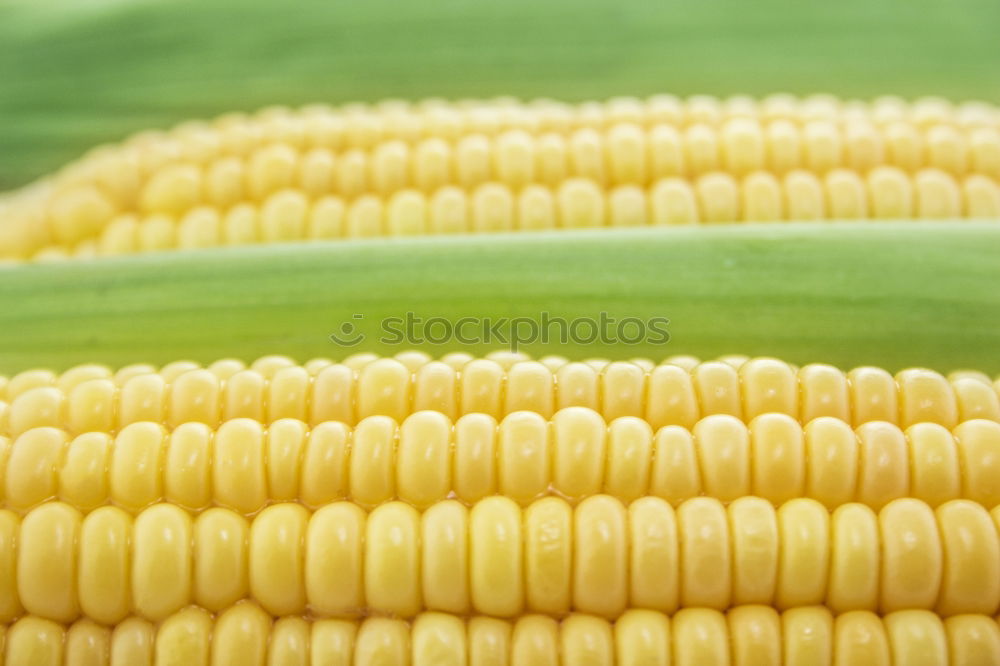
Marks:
<point>184,638</point>
<point>484,118</point>
<point>449,211</point>
<point>742,146</point>
<point>36,641</point>
<point>846,195</point>
<point>803,196</point>
<point>937,195</point>
<point>239,136</point>
<point>741,106</point>
<point>326,218</point>
<point>132,642</point>
<point>890,193</point>
<point>586,155</point>
<point>703,109</point>
<point>289,642</point>
<point>86,250</point>
<point>240,636</point>
<point>283,216</point>
<point>173,190</point>
<point>224,182</point>
<point>403,124</point>
<point>283,126</point>
<point>705,554</point>
<point>723,447</point>
<point>928,111</point>
<point>701,149</point>
<point>911,542</point>
<point>316,172</point>
<point>413,359</point>
<point>390,167</point>
<point>984,151</point>
<point>821,107</point>
<point>187,471</point>
<point>580,204</point>
<point>718,197</point>
<point>240,225</point>
<point>473,159</point>
<point>536,208</point>
<point>91,406</point>
<point>423,469</point>
<point>324,129</point>
<point>406,214</point>
<point>904,146</point>
<point>496,557</point>
<point>268,366</point>
<point>351,176</point>
<point>335,556</point>
<point>807,635</point>
<point>372,478</point>
<point>156,232</point>
<point>980,197</point>
<point>42,406</point>
<point>492,208</point>
<point>444,122</point>
<point>514,158</point>
<point>161,561</point>
<point>364,217</point>
<point>664,109</point>
<point>29,379</point>
<point>624,110</point>
<point>79,213</point>
<point>947,150</point>
<point>975,114</point>
<point>121,236</point>
<point>392,559</point>
<point>103,581</point>
<point>134,475</point>
<point>276,558</point>
<point>381,640</point>
<point>863,146</point>
<point>238,475</point>
<point>591,114</point>
<point>626,154</point>
<point>673,201</point>
<point>432,164</point>
<point>822,146</point>
<point>47,561</point>
<point>666,152</point>
<point>627,206</point>
<point>200,227</point>
<point>762,199</point>
<point>780,106</point>
<point>83,479</point>
<point>551,160</point>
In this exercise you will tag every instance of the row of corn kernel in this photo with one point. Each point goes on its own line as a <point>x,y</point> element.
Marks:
<point>500,559</point>
<point>412,359</point>
<point>246,635</point>
<point>289,215</point>
<point>625,154</point>
<point>361,127</point>
<point>667,394</point>
<point>245,466</point>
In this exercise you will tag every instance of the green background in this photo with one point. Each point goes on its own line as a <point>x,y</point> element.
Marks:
<point>77,73</point>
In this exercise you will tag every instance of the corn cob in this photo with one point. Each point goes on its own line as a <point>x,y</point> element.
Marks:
<point>245,634</point>
<point>500,559</point>
<point>245,466</point>
<point>284,178</point>
<point>679,391</point>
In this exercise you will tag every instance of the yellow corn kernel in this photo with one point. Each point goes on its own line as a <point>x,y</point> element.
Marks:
<point>357,388</point>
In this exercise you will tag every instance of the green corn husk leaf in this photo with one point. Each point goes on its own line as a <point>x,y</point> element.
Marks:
<point>888,294</point>
<point>76,74</point>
